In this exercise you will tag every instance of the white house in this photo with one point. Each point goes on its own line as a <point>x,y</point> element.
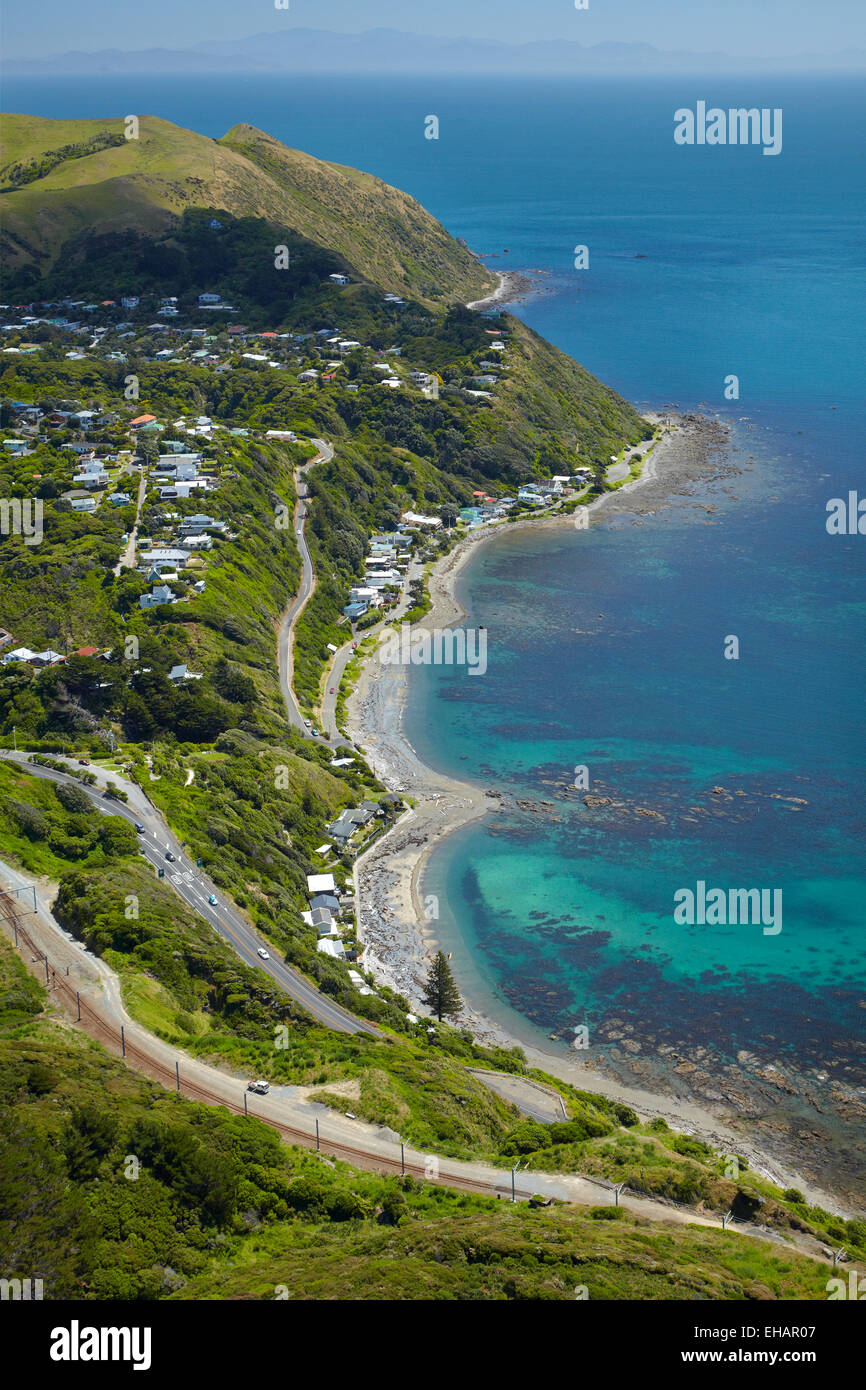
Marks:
<point>165,555</point>
<point>331,946</point>
<point>91,477</point>
<point>19,654</point>
<point>321,883</point>
<point>160,593</point>
<point>210,299</point>
<point>339,279</point>
<point>84,504</point>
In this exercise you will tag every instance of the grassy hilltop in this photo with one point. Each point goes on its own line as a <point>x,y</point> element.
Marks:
<point>63,184</point>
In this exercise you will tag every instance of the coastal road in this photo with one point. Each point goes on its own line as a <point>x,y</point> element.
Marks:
<point>72,969</point>
<point>344,655</point>
<point>286,639</point>
<point>193,886</point>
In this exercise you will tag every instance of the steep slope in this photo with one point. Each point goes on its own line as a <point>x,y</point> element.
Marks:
<point>66,181</point>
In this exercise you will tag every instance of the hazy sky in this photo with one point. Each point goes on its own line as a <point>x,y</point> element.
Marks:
<point>758,28</point>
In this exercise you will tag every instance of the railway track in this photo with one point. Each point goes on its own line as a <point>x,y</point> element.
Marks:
<point>113,1036</point>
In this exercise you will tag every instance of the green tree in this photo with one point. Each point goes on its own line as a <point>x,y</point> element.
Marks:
<point>72,798</point>
<point>440,991</point>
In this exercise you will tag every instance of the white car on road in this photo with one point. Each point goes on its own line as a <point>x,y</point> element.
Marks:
<point>265,955</point>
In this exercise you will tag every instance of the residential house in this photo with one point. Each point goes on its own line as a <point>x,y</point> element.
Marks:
<point>183,673</point>
<point>327,902</point>
<point>38,659</point>
<point>93,475</point>
<point>192,525</point>
<point>331,946</point>
<point>83,504</point>
<point>321,883</point>
<point>324,922</point>
<point>160,593</point>
<point>165,555</point>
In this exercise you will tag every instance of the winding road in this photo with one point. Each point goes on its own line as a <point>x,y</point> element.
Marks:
<point>79,981</point>
<point>195,888</point>
<point>286,639</point>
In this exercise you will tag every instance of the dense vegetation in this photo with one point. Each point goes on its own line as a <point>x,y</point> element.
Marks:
<point>116,1189</point>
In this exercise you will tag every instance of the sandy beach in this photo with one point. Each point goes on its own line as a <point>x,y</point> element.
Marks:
<point>514,287</point>
<point>398,937</point>
<point>393,922</point>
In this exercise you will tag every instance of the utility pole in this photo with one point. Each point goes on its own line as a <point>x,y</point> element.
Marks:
<point>513,1171</point>
<point>402,1160</point>
<point>15,738</point>
<point>177,1074</point>
<point>725,1219</point>
<point>618,1187</point>
<point>317,1134</point>
<point>122,1040</point>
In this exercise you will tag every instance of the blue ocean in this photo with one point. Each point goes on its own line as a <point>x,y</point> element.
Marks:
<point>606,646</point>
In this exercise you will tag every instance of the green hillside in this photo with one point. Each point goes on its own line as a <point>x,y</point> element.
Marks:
<point>63,184</point>
<point>219,1208</point>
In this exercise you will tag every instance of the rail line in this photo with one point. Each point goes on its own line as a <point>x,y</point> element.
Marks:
<point>110,1034</point>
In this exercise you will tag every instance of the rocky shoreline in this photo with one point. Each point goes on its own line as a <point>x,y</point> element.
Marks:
<point>796,1129</point>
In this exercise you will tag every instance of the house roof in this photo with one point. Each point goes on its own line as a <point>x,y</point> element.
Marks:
<point>321,883</point>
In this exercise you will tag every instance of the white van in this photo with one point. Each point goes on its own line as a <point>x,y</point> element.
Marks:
<point>261,1088</point>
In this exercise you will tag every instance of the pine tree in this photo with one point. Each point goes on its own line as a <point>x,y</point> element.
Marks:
<point>440,991</point>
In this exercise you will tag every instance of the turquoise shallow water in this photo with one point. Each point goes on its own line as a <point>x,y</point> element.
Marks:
<point>753,266</point>
<point>605,651</point>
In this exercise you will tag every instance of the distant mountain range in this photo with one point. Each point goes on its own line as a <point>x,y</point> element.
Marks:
<point>389,50</point>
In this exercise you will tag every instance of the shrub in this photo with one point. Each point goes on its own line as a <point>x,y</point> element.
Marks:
<point>72,798</point>
<point>525,1138</point>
